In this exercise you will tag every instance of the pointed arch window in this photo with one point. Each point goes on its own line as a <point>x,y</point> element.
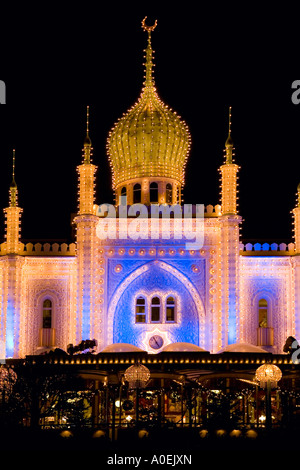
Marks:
<point>169,193</point>
<point>140,310</point>
<point>153,192</point>
<point>123,194</point>
<point>155,309</point>
<point>47,314</point>
<point>263,313</point>
<point>137,193</point>
<point>170,309</point>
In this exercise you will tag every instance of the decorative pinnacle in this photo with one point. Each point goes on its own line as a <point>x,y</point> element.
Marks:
<point>13,191</point>
<point>149,63</point>
<point>87,141</point>
<point>13,167</point>
<point>229,142</point>
<point>87,119</point>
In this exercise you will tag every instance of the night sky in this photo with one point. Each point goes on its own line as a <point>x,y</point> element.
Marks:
<point>56,61</point>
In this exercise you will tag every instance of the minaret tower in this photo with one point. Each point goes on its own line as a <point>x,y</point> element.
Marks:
<point>229,171</point>
<point>87,173</point>
<point>296,213</point>
<point>86,222</point>
<point>13,218</point>
<point>10,311</point>
<point>229,248</point>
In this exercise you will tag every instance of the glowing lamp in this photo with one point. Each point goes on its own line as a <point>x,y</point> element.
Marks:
<point>143,434</point>
<point>236,433</point>
<point>137,376</point>
<point>66,434</point>
<point>268,373</point>
<point>99,434</point>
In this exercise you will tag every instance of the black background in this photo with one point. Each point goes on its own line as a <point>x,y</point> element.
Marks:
<point>57,59</point>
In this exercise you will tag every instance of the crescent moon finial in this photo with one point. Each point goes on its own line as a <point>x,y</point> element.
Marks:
<point>148,28</point>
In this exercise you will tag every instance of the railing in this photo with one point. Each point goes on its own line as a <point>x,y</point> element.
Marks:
<point>265,336</point>
<point>212,211</point>
<point>45,249</point>
<point>47,337</point>
<point>267,249</point>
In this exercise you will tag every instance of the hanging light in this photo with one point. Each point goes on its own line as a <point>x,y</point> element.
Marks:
<point>137,376</point>
<point>268,373</point>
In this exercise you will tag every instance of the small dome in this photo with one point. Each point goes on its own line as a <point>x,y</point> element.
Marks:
<point>121,347</point>
<point>242,347</point>
<point>183,347</point>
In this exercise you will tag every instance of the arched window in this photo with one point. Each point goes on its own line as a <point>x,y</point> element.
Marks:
<point>169,193</point>
<point>137,193</point>
<point>263,313</point>
<point>140,310</point>
<point>155,309</point>
<point>170,309</point>
<point>123,196</point>
<point>47,313</point>
<point>153,192</point>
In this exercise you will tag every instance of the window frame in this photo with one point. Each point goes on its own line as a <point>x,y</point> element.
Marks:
<point>145,310</point>
<point>159,306</point>
<point>137,190</point>
<point>263,307</point>
<point>173,308</point>
<point>153,186</point>
<point>45,319</point>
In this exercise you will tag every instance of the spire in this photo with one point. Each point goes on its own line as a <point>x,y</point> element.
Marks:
<point>149,140</point>
<point>229,171</point>
<point>87,147</point>
<point>86,173</point>
<point>149,82</point>
<point>13,191</point>
<point>229,142</point>
<point>298,195</point>
<point>13,217</point>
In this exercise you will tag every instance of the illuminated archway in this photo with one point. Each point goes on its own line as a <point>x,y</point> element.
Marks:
<point>181,279</point>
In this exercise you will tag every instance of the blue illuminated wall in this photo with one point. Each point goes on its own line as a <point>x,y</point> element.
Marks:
<point>9,329</point>
<point>155,280</point>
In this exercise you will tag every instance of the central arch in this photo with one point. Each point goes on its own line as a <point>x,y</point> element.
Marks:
<point>167,268</point>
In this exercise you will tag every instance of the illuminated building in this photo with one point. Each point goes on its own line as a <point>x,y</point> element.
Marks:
<point>149,293</point>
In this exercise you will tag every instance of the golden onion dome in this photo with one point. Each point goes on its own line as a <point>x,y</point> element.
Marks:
<point>150,140</point>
